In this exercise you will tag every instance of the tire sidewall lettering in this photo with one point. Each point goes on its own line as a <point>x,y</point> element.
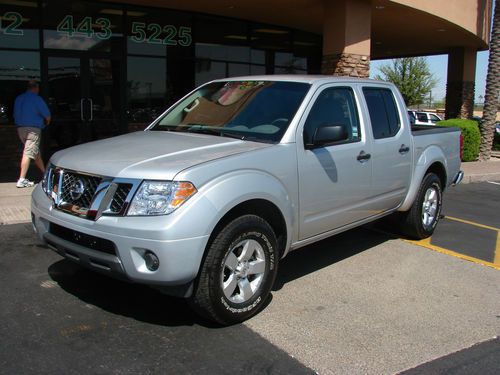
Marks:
<point>270,259</point>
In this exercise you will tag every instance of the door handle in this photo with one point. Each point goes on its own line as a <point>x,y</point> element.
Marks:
<point>86,109</point>
<point>404,149</point>
<point>91,109</point>
<point>363,157</point>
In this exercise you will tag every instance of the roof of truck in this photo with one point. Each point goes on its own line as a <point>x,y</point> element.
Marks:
<point>305,78</point>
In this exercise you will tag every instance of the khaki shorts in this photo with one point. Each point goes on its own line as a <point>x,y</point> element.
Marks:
<point>31,140</point>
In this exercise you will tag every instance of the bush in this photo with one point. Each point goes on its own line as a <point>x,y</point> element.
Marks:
<point>471,136</point>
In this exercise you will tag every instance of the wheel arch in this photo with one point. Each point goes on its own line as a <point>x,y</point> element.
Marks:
<point>439,170</point>
<point>432,160</point>
<point>263,208</point>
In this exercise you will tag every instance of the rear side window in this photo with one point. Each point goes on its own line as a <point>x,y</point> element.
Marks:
<point>422,117</point>
<point>384,115</point>
<point>434,118</point>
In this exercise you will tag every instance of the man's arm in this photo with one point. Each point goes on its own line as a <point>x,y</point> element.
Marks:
<point>44,111</point>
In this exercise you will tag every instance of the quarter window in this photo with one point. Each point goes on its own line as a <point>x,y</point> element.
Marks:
<point>334,106</point>
<point>384,116</point>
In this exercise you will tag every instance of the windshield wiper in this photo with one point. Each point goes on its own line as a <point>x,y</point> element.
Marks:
<point>205,129</point>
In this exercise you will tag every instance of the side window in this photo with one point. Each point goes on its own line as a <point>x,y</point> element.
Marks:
<point>384,115</point>
<point>334,106</point>
<point>434,118</point>
<point>422,117</point>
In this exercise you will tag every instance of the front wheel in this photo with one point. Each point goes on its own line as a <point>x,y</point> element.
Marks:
<point>421,220</point>
<point>238,272</point>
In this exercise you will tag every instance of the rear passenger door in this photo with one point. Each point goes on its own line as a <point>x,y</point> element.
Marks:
<point>391,149</point>
<point>334,180</point>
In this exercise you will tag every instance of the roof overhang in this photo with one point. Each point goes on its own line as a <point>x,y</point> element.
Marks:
<point>399,28</point>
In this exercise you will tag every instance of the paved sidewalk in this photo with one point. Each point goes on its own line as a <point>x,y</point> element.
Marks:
<point>476,171</point>
<point>15,203</point>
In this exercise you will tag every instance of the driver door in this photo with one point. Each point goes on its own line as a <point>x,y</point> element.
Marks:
<point>334,182</point>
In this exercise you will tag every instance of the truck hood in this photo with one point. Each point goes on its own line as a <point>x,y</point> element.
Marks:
<point>149,154</point>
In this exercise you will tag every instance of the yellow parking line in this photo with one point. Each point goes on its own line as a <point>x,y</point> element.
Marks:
<point>427,243</point>
<point>497,251</point>
<point>471,223</point>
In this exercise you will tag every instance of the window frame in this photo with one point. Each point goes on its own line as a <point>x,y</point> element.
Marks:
<point>356,108</point>
<point>396,107</point>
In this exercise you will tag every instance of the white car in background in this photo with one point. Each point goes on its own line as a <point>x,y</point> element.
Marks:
<point>424,118</point>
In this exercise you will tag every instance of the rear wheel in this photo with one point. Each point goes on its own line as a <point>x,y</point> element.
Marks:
<point>421,220</point>
<point>238,272</point>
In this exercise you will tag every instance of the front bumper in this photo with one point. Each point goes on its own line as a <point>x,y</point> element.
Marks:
<point>116,245</point>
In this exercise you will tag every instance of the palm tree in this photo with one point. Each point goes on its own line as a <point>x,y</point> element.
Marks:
<point>492,90</point>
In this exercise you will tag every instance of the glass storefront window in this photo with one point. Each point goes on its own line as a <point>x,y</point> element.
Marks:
<point>147,88</point>
<point>16,68</point>
<point>235,70</point>
<point>83,26</point>
<point>207,70</point>
<point>19,24</point>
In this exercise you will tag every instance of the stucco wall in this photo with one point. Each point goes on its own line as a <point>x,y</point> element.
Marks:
<point>472,15</point>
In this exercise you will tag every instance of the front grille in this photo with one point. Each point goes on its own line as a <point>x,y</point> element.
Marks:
<point>82,239</point>
<point>120,197</point>
<point>71,183</point>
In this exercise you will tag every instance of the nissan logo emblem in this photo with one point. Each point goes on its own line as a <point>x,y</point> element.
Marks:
<point>76,189</point>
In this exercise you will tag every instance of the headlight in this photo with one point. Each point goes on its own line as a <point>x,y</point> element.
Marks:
<point>160,197</point>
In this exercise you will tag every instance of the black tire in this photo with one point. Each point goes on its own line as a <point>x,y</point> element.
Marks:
<point>209,299</point>
<point>412,221</point>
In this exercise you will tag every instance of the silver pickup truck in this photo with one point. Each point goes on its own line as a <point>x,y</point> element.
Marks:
<point>206,202</point>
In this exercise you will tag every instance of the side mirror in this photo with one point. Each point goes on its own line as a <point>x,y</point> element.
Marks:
<point>328,135</point>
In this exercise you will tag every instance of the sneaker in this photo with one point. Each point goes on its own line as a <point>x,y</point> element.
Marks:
<point>24,182</point>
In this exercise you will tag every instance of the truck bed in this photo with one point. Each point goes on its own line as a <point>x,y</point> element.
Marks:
<point>428,129</point>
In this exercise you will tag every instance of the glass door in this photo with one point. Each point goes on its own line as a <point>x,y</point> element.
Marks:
<point>84,98</point>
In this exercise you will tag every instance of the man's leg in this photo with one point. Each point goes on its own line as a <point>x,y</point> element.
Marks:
<point>39,163</point>
<point>25,164</point>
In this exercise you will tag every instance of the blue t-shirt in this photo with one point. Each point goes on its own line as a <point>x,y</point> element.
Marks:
<point>30,110</point>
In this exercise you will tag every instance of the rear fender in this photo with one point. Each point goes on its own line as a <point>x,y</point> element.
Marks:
<point>429,156</point>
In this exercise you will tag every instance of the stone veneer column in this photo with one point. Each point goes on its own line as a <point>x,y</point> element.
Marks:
<point>460,84</point>
<point>346,64</point>
<point>346,37</point>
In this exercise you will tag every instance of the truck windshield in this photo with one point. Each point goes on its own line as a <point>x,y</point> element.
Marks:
<point>251,110</point>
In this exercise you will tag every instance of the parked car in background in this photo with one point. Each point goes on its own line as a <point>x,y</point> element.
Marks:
<point>497,127</point>
<point>424,118</point>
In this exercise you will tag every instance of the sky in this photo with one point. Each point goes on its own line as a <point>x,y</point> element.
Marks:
<point>438,65</point>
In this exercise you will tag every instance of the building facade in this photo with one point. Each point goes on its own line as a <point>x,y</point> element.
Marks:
<point>107,68</point>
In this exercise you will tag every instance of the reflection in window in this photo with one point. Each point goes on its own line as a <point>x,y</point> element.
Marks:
<point>81,26</point>
<point>19,22</point>
<point>147,90</point>
<point>16,68</point>
<point>222,52</point>
<point>207,70</point>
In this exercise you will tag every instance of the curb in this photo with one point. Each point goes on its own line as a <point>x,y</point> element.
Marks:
<point>481,178</point>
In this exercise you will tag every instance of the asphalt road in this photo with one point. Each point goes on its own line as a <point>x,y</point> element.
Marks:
<point>360,303</point>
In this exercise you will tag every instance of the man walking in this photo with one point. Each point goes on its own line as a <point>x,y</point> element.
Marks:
<point>31,114</point>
